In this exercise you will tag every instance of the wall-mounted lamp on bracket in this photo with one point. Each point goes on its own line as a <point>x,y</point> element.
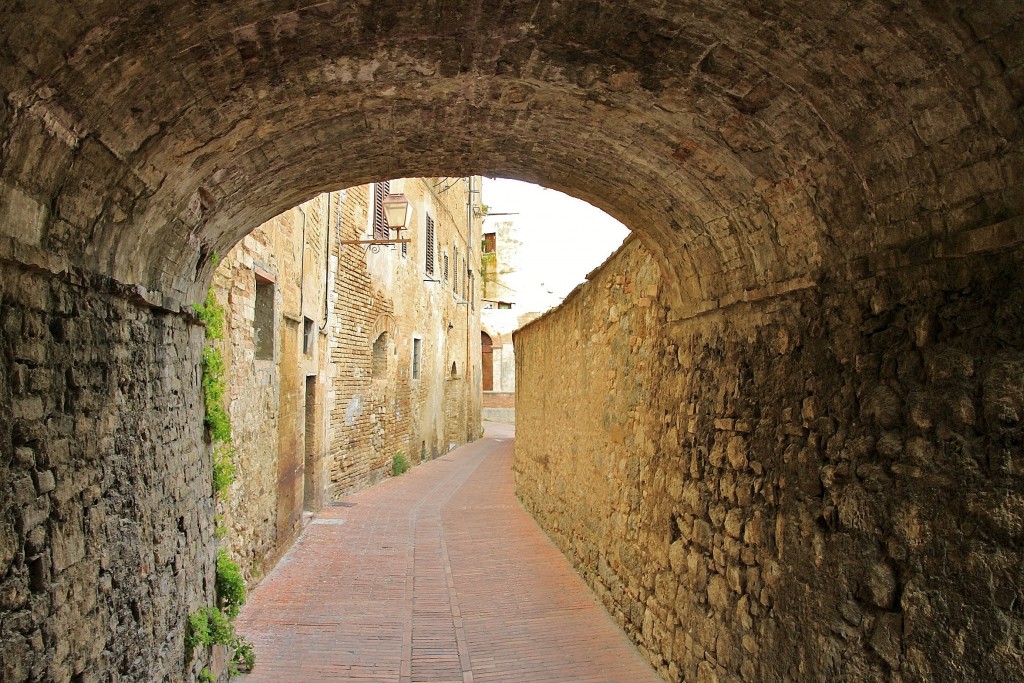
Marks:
<point>398,214</point>
<point>398,210</point>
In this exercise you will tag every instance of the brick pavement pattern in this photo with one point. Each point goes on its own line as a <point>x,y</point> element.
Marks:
<point>437,576</point>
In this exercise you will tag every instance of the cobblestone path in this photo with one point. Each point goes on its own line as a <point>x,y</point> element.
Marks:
<point>436,576</point>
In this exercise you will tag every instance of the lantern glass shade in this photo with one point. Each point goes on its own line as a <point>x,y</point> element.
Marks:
<point>398,211</point>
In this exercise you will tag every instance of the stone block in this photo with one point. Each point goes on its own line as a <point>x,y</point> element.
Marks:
<point>702,534</point>
<point>734,523</point>
<point>736,451</point>
<point>887,638</point>
<point>719,594</point>
<point>22,215</point>
<point>45,481</point>
<point>880,585</point>
<point>34,514</point>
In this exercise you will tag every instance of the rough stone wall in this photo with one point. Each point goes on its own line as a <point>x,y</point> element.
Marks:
<point>266,397</point>
<point>373,418</point>
<point>105,544</point>
<point>823,485</point>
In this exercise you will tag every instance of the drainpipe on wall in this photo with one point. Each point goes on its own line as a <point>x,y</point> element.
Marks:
<point>302,267</point>
<point>327,257</point>
<point>470,383</point>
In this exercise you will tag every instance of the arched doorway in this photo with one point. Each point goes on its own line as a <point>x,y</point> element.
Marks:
<point>487,360</point>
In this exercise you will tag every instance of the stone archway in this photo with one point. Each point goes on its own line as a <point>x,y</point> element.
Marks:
<point>754,149</point>
<point>749,147</point>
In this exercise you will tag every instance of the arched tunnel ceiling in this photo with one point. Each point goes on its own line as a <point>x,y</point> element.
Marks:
<point>746,143</point>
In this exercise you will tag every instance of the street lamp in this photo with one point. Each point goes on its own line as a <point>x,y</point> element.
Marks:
<point>398,211</point>
<point>397,214</point>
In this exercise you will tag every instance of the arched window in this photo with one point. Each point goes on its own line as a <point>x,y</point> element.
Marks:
<point>379,367</point>
<point>455,370</point>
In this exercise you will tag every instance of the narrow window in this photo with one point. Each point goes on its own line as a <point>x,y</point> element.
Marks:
<point>380,221</point>
<point>379,365</point>
<point>263,320</point>
<point>307,336</point>
<point>446,267</point>
<point>455,370</point>
<point>429,246</point>
<point>417,357</point>
<point>490,239</point>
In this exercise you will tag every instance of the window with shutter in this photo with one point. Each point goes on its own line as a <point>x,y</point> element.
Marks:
<point>429,247</point>
<point>446,267</point>
<point>380,221</point>
<point>455,269</point>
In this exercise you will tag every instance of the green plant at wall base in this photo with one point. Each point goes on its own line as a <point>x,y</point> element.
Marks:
<point>212,315</point>
<point>230,584</point>
<point>399,465</point>
<point>209,626</point>
<point>223,469</point>
<point>244,658</point>
<point>206,676</point>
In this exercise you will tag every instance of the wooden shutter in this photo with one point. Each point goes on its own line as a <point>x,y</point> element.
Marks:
<point>429,246</point>
<point>380,221</point>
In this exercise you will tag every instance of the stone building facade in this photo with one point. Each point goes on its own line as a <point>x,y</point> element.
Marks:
<point>499,263</point>
<point>404,335</point>
<point>340,355</point>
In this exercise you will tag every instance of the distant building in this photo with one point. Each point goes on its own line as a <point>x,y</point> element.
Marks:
<point>499,262</point>
<point>341,356</point>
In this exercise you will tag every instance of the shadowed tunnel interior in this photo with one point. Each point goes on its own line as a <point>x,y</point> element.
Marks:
<point>755,149</point>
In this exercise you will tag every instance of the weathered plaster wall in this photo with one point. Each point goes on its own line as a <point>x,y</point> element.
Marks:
<point>105,543</point>
<point>827,484</point>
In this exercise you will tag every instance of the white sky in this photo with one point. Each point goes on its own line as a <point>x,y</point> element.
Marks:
<point>563,238</point>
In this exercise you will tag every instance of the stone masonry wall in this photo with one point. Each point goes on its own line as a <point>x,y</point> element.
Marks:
<point>266,397</point>
<point>104,538</point>
<point>824,485</point>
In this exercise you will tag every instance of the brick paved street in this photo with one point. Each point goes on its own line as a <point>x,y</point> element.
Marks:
<point>436,576</point>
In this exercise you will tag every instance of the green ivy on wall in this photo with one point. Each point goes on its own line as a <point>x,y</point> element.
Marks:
<point>210,626</point>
